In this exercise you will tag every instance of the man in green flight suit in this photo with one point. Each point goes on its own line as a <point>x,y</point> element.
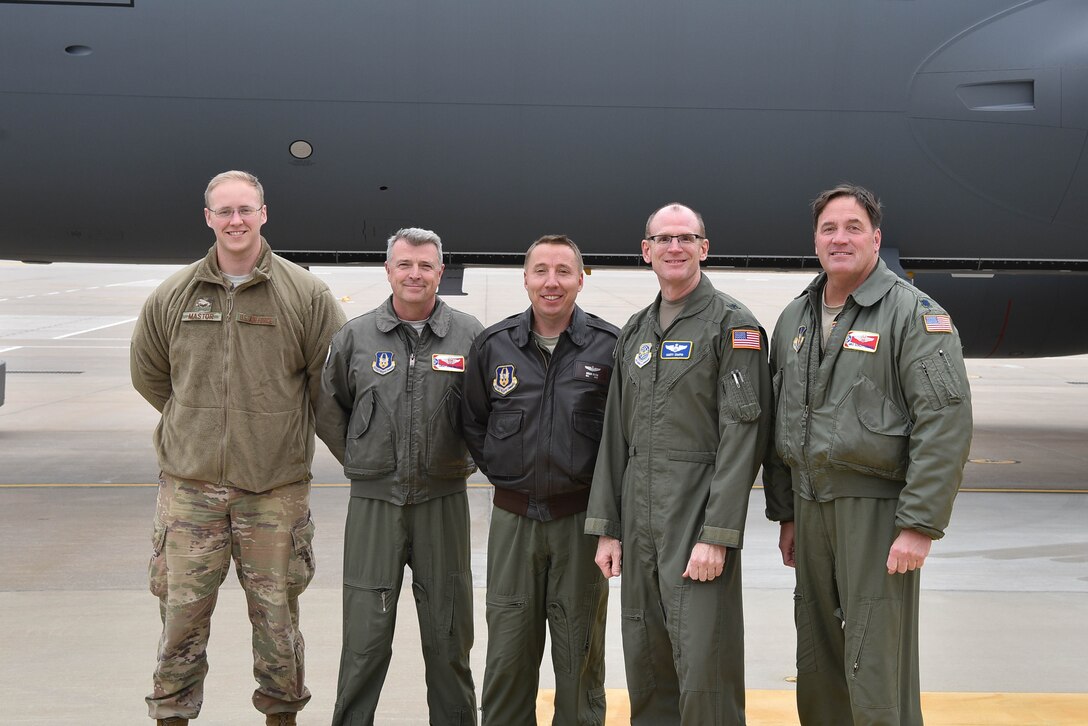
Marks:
<point>872,431</point>
<point>684,434</point>
<point>534,401</point>
<point>390,412</point>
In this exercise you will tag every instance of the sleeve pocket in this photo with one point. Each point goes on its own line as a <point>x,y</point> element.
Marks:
<point>940,380</point>
<point>740,402</point>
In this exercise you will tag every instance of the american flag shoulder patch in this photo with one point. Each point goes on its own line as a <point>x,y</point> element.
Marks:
<point>747,339</point>
<point>937,323</point>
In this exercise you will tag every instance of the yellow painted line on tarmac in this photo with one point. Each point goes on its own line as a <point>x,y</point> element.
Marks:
<point>777,708</point>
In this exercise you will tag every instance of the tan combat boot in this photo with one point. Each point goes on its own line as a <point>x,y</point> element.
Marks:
<point>280,719</point>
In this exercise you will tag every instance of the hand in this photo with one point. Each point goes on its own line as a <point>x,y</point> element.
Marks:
<point>787,542</point>
<point>908,551</point>
<point>609,556</point>
<point>706,562</point>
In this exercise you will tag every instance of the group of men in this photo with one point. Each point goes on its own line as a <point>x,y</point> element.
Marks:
<point>610,451</point>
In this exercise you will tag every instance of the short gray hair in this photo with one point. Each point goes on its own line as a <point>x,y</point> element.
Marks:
<point>234,175</point>
<point>416,237</point>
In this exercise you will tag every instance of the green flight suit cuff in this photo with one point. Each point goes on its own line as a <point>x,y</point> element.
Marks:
<point>719,536</point>
<point>603,527</point>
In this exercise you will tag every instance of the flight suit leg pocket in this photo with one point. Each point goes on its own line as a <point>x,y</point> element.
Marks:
<point>695,629</point>
<point>456,620</point>
<point>508,626</point>
<point>370,614</point>
<point>563,647</point>
<point>636,640</point>
<point>872,640</point>
<point>806,645</point>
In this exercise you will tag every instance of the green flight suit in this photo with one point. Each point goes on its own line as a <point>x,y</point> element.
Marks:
<point>390,412</point>
<point>871,435</point>
<point>684,434</point>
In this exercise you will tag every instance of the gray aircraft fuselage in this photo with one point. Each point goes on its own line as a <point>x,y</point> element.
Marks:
<point>494,122</point>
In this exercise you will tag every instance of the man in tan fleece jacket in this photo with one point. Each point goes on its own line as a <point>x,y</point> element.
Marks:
<point>230,350</point>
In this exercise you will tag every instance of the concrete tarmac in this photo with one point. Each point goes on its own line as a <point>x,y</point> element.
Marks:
<point>1005,593</point>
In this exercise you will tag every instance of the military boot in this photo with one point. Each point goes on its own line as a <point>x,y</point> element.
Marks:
<point>172,721</point>
<point>280,719</point>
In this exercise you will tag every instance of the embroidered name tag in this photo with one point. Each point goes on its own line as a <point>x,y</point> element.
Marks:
<point>861,340</point>
<point>201,315</point>
<point>584,371</point>
<point>448,362</point>
<point>676,350</point>
<point>256,319</point>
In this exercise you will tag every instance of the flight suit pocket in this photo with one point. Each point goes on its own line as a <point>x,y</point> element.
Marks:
<point>872,641</point>
<point>806,645</point>
<point>739,402</point>
<point>587,426</point>
<point>370,450</point>
<point>870,433</point>
<point>636,641</point>
<point>369,614</point>
<point>503,444</point>
<point>694,629</point>
<point>303,564</point>
<point>456,618</point>
<point>940,380</point>
<point>563,648</point>
<point>446,455</point>
<point>508,627</point>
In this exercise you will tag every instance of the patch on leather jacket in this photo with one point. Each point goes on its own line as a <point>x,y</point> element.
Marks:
<point>585,371</point>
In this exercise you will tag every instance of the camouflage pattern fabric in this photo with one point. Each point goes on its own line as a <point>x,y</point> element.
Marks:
<point>199,527</point>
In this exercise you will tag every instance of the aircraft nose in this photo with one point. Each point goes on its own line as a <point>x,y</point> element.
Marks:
<point>1012,91</point>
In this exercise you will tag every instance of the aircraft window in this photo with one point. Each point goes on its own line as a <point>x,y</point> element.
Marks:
<point>301,149</point>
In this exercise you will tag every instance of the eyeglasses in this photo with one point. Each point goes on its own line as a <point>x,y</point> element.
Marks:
<point>243,212</point>
<point>684,239</point>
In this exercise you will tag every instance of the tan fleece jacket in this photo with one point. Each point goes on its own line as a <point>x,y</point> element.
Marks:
<point>235,372</point>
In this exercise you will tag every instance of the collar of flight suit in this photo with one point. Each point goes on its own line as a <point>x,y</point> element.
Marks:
<point>697,300</point>
<point>439,321</point>
<point>869,293</point>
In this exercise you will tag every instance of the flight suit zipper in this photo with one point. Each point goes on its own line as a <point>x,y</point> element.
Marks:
<point>411,428</point>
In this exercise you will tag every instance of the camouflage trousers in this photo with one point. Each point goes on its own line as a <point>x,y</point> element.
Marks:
<point>199,527</point>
